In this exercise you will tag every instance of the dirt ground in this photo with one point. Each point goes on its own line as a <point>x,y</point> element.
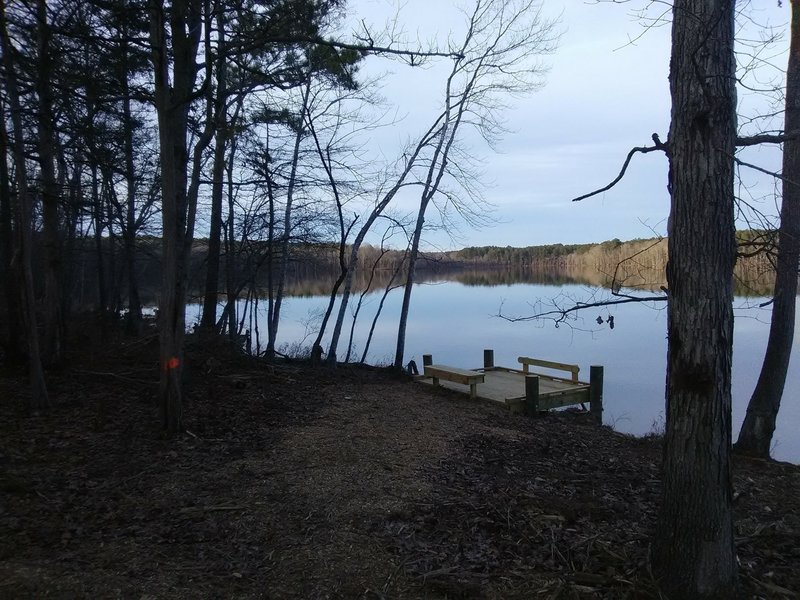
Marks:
<point>353,483</point>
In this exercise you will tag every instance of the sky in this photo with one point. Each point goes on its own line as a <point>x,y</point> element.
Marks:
<point>607,91</point>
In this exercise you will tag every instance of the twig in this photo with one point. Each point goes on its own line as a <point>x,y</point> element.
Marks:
<point>189,509</point>
<point>115,376</point>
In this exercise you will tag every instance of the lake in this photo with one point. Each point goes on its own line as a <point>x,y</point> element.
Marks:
<point>454,322</point>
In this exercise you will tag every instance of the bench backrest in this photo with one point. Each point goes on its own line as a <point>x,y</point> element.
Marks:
<point>546,364</point>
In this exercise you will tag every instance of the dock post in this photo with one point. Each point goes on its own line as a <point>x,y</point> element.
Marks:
<point>596,393</point>
<point>532,395</point>
<point>427,359</point>
<point>488,359</point>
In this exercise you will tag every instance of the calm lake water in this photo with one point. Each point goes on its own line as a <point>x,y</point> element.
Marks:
<point>454,322</point>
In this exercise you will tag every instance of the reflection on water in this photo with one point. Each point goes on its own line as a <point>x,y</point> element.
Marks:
<point>454,316</point>
<point>316,281</point>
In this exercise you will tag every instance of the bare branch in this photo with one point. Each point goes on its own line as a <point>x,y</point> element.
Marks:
<point>742,163</point>
<point>562,313</point>
<point>659,145</point>
<point>766,138</point>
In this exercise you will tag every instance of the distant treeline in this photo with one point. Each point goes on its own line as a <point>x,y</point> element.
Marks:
<point>636,263</point>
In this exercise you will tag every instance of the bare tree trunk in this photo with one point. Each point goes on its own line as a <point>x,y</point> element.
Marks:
<point>360,303</point>
<point>455,104</point>
<point>352,265</point>
<point>134,317</point>
<point>389,287</point>
<point>344,232</point>
<point>39,398</point>
<point>270,249</point>
<point>53,319</point>
<point>110,200</point>
<point>8,273</point>
<point>693,551</point>
<point>287,224</point>
<point>409,285</point>
<point>755,436</point>
<point>230,253</point>
<point>75,206</point>
<point>172,107</point>
<point>211,294</point>
<point>98,215</point>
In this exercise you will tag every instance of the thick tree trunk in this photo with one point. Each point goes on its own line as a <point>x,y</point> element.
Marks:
<point>693,551</point>
<point>755,436</point>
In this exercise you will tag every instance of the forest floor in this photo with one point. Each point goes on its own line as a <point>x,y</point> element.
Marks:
<point>346,483</point>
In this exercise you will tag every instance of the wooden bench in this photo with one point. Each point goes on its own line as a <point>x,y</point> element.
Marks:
<point>546,364</point>
<point>456,375</point>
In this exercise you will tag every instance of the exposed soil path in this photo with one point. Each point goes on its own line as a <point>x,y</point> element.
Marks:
<point>305,483</point>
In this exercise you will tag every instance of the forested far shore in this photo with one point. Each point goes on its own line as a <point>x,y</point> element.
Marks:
<point>313,268</point>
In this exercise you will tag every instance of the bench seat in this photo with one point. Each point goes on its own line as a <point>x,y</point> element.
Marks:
<point>456,375</point>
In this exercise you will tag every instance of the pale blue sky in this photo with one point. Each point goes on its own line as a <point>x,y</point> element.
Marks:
<point>603,96</point>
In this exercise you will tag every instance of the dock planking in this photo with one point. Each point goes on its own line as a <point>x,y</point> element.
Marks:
<point>528,392</point>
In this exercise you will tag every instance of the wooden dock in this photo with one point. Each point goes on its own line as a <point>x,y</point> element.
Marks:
<point>522,390</point>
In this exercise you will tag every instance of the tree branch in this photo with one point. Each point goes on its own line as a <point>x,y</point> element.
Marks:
<point>766,138</point>
<point>742,163</point>
<point>562,313</point>
<point>659,145</point>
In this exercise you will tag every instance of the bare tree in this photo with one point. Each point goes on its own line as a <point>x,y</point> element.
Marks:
<point>383,197</point>
<point>497,59</point>
<point>300,134</point>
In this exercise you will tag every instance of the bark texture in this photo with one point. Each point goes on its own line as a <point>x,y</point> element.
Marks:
<point>755,436</point>
<point>693,551</point>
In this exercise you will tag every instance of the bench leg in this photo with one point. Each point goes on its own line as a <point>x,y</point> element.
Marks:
<point>435,380</point>
<point>473,390</point>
